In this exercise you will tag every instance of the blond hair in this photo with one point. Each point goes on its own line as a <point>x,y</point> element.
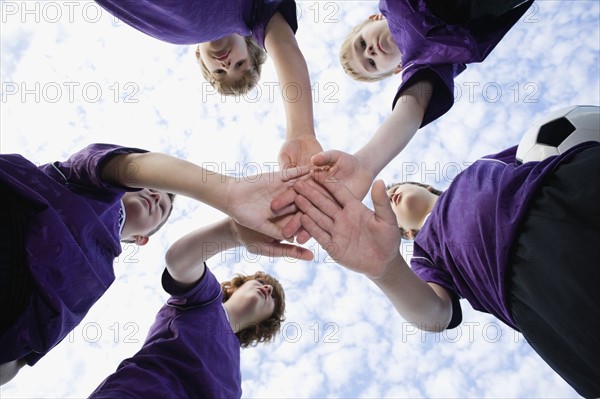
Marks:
<point>346,56</point>
<point>250,77</point>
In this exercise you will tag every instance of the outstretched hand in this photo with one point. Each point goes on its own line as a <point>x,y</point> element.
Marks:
<point>354,236</point>
<point>337,165</point>
<point>345,168</point>
<point>298,151</point>
<point>249,199</point>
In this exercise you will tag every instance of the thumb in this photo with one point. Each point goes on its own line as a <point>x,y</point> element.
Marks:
<point>325,158</point>
<point>285,161</point>
<point>381,203</point>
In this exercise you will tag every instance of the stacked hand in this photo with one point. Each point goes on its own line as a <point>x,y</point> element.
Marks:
<point>326,167</point>
<point>354,236</point>
<point>324,203</point>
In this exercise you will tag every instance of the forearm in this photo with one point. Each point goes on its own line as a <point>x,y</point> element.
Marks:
<point>294,80</point>
<point>166,173</point>
<point>397,130</point>
<point>185,258</point>
<point>413,298</point>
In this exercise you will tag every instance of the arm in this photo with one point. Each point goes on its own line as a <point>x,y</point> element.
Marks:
<point>247,200</point>
<point>367,242</point>
<point>185,258</point>
<point>358,171</point>
<point>398,129</point>
<point>294,82</point>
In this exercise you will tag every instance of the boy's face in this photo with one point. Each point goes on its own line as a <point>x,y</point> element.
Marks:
<point>145,210</point>
<point>254,299</point>
<point>411,204</point>
<point>373,51</point>
<point>226,58</point>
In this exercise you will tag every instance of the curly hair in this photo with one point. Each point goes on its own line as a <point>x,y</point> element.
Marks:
<point>249,79</point>
<point>267,329</point>
<point>411,234</point>
<point>172,198</point>
<point>346,56</point>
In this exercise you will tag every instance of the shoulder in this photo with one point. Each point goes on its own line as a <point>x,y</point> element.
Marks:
<point>273,16</point>
<point>204,291</point>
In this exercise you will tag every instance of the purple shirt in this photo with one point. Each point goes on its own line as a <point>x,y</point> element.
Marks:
<point>437,51</point>
<point>465,244</point>
<point>198,21</point>
<point>71,239</point>
<point>190,352</point>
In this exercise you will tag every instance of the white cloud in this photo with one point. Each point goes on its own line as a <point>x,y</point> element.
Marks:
<point>163,104</point>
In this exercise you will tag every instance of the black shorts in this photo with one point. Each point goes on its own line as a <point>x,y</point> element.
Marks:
<point>554,287</point>
<point>15,281</point>
<point>462,11</point>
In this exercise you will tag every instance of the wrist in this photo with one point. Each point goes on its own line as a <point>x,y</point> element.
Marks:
<point>366,163</point>
<point>233,232</point>
<point>225,196</point>
<point>300,133</point>
<point>387,269</point>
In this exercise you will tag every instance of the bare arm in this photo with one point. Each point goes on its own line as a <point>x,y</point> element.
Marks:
<point>294,82</point>
<point>185,258</point>
<point>427,305</point>
<point>246,200</point>
<point>398,129</point>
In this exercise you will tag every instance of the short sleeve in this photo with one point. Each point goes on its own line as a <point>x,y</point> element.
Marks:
<point>442,78</point>
<point>263,12</point>
<point>427,271</point>
<point>82,169</point>
<point>206,290</point>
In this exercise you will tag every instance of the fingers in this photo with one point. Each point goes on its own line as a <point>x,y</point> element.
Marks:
<point>282,201</point>
<point>292,227</point>
<point>337,189</point>
<point>302,236</point>
<point>381,202</point>
<point>288,210</point>
<point>317,217</point>
<point>282,250</point>
<point>294,172</point>
<point>314,230</point>
<point>315,204</point>
<point>325,158</point>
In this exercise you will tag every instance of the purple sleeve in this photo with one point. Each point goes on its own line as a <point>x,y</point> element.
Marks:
<point>426,270</point>
<point>507,156</point>
<point>442,78</point>
<point>82,169</point>
<point>265,11</point>
<point>206,290</point>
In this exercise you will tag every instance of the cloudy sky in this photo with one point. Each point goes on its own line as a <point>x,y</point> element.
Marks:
<point>72,75</point>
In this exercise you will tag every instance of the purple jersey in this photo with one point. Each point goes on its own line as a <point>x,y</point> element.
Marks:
<point>437,51</point>
<point>465,244</point>
<point>190,352</point>
<point>71,238</point>
<point>198,21</point>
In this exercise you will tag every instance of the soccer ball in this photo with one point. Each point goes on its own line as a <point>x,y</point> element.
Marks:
<point>557,132</point>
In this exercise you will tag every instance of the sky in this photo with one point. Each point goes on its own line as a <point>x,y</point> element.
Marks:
<point>72,75</point>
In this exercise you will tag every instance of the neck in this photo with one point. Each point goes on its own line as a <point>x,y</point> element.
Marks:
<point>430,205</point>
<point>236,321</point>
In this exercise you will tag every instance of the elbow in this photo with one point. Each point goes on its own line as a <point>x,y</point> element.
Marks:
<point>172,259</point>
<point>434,327</point>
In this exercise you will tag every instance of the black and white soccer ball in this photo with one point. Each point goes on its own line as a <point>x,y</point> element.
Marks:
<point>557,132</point>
